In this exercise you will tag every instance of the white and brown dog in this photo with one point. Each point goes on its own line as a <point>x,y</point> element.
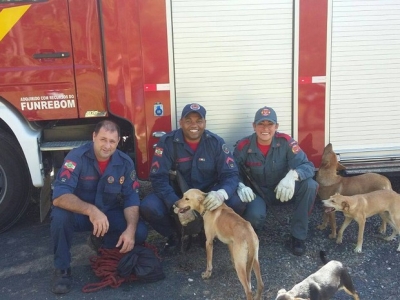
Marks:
<point>232,230</point>
<point>323,284</point>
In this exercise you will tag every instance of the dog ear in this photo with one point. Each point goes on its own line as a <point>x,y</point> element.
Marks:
<point>340,167</point>
<point>202,197</point>
<point>345,206</point>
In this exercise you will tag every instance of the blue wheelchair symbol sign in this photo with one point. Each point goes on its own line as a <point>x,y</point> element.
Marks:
<point>158,109</point>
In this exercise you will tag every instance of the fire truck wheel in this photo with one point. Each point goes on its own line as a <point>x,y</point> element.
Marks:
<point>15,183</point>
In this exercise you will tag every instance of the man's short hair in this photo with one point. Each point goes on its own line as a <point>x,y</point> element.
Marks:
<point>108,126</point>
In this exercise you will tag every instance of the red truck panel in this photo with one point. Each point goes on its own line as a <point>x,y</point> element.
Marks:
<point>312,63</point>
<point>135,40</point>
<point>88,58</point>
<point>155,72</point>
<point>36,64</point>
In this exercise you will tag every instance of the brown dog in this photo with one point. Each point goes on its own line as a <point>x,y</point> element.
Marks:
<point>386,203</point>
<point>232,230</point>
<point>331,183</point>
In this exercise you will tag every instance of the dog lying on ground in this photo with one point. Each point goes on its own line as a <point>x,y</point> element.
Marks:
<point>323,284</point>
<point>232,230</point>
<point>331,183</point>
<point>386,203</point>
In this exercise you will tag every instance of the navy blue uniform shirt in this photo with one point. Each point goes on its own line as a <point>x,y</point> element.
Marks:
<point>284,155</point>
<point>80,175</point>
<point>211,167</point>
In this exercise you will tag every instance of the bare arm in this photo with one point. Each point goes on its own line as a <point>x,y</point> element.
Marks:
<point>72,203</point>
<point>127,238</point>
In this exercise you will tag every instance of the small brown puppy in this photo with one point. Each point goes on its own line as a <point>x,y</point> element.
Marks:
<point>331,183</point>
<point>323,284</point>
<point>232,230</point>
<point>386,203</point>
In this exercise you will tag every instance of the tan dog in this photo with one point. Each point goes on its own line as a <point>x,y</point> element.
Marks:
<point>330,183</point>
<point>232,230</point>
<point>386,203</point>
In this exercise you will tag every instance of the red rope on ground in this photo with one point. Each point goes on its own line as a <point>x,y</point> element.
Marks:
<point>105,266</point>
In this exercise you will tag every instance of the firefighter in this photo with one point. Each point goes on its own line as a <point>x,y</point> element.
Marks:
<point>95,190</point>
<point>281,171</point>
<point>205,163</point>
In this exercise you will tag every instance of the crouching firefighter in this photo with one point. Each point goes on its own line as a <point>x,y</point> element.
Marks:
<point>202,159</point>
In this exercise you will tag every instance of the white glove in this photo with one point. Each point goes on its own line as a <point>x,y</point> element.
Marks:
<point>245,193</point>
<point>215,199</point>
<point>285,189</point>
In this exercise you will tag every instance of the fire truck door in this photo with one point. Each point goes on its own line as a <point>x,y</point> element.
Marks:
<point>37,69</point>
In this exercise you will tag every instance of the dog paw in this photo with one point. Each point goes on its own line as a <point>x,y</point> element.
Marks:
<point>389,238</point>
<point>338,241</point>
<point>357,249</point>
<point>206,274</point>
<point>333,235</point>
<point>321,227</point>
<point>382,230</point>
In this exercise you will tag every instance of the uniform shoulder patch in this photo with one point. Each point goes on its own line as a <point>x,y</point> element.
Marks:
<point>225,148</point>
<point>70,165</point>
<point>133,175</point>
<point>296,148</point>
<point>158,151</point>
<point>292,142</point>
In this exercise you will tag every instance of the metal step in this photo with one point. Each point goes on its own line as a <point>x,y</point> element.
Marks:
<point>361,167</point>
<point>62,145</point>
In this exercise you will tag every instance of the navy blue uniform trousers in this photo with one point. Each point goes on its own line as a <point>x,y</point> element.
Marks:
<point>64,223</point>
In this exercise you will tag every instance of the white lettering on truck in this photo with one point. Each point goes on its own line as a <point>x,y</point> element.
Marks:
<point>51,104</point>
<point>58,101</point>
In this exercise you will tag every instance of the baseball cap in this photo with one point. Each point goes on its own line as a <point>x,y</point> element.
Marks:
<point>194,107</point>
<point>265,114</point>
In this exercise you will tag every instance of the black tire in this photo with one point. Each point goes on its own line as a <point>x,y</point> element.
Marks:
<point>15,182</point>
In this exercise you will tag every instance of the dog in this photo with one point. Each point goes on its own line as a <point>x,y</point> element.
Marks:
<point>323,284</point>
<point>232,230</point>
<point>331,183</point>
<point>386,203</point>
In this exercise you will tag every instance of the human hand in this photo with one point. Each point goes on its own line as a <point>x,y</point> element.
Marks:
<point>127,241</point>
<point>214,199</point>
<point>99,221</point>
<point>285,189</point>
<point>245,193</point>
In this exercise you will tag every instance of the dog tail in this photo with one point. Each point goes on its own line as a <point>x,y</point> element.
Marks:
<point>322,255</point>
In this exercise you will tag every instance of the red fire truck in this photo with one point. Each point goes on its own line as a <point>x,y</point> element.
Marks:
<point>329,68</point>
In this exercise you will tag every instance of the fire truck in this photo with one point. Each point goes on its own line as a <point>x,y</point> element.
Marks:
<point>330,68</point>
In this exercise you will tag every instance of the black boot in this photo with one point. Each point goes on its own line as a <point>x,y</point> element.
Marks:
<point>297,246</point>
<point>171,246</point>
<point>62,281</point>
